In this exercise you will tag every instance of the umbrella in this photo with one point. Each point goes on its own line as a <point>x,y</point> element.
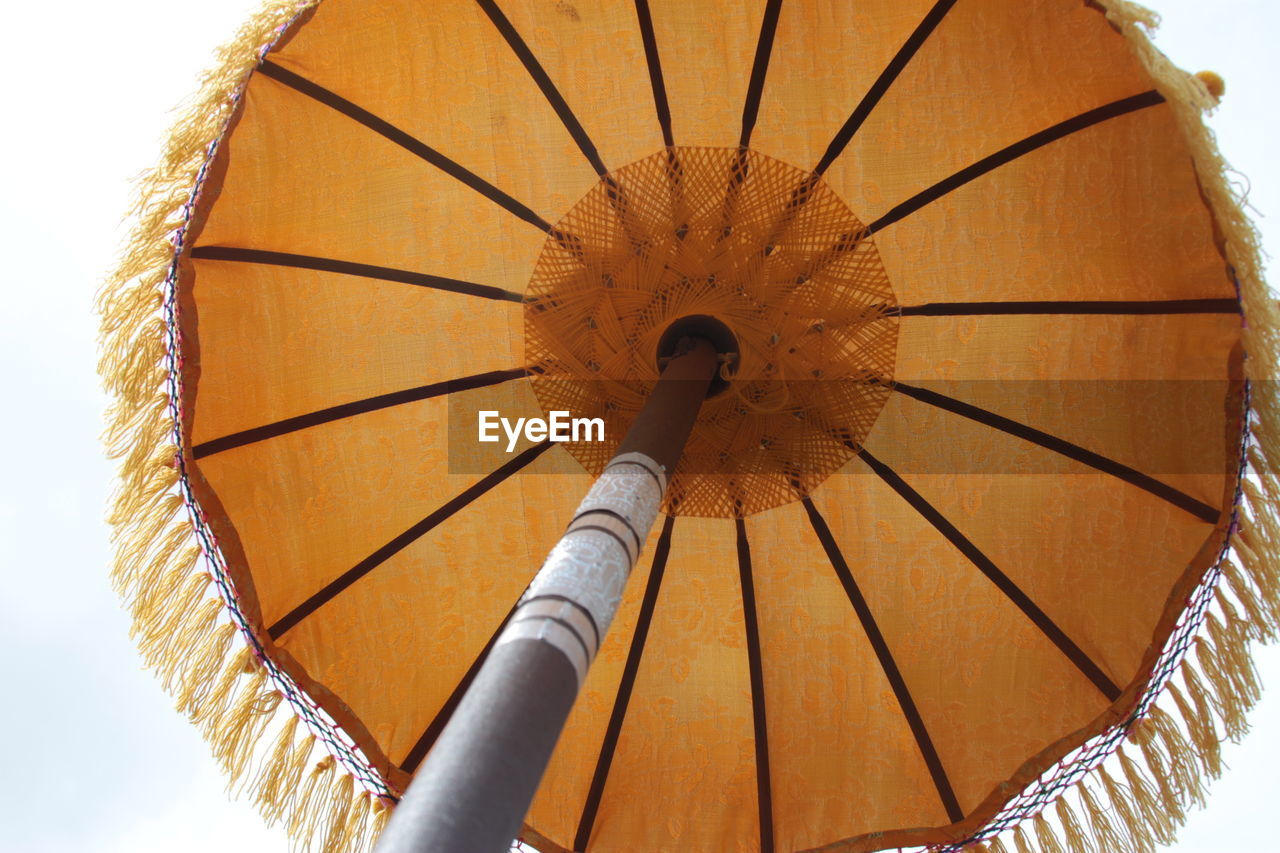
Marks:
<point>881,610</point>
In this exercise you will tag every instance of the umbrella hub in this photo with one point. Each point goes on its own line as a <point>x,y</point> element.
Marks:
<point>709,329</point>
<point>760,249</point>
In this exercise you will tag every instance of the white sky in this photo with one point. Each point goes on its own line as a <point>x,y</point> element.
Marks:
<point>94,757</point>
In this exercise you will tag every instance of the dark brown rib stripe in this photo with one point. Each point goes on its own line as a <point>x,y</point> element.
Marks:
<point>764,790</point>
<point>386,552</point>
<point>568,626</point>
<point>759,68</point>
<point>359,407</point>
<point>591,620</point>
<point>883,82</point>
<point>617,516</point>
<point>651,58</point>
<point>1014,151</point>
<point>442,717</point>
<point>629,671</point>
<point>887,663</point>
<point>1178,498</point>
<point>1099,306</point>
<point>1002,581</point>
<point>645,468</point>
<point>549,90</point>
<point>404,140</point>
<point>310,262</point>
<point>622,543</point>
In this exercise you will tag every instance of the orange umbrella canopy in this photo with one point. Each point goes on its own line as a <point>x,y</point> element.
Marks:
<point>934,553</point>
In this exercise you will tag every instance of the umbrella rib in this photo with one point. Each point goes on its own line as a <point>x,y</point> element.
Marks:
<point>405,141</point>
<point>1003,582</point>
<point>632,667</point>
<point>764,793</point>
<point>1012,152</point>
<point>549,90</point>
<point>890,667</point>
<point>886,79</point>
<point>1178,498</point>
<point>1080,306</point>
<point>759,68</point>
<point>650,40</point>
<point>359,407</point>
<point>442,717</point>
<point>311,262</point>
<point>339,584</point>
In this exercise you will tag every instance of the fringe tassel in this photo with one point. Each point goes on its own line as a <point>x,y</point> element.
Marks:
<point>275,779</point>
<point>292,778</point>
<point>1046,837</point>
<point>169,572</point>
<point>1182,762</point>
<point>231,718</point>
<point>244,726</point>
<point>307,811</point>
<point>1199,722</point>
<point>1128,820</point>
<point>1160,824</point>
<point>1105,835</point>
<point>1225,661</point>
<point>323,806</point>
<point>995,845</point>
<point>1258,570</point>
<point>1144,735</point>
<point>203,670</point>
<point>1073,833</point>
<point>192,630</point>
<point>161,575</point>
<point>357,829</point>
<point>1020,842</point>
<point>135,580</point>
<point>1260,498</point>
<point>378,818</point>
<point>207,712</point>
<point>1261,623</point>
<point>340,803</point>
<point>1262,525</point>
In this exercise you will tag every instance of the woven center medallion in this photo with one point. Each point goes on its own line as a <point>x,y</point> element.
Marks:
<point>766,249</point>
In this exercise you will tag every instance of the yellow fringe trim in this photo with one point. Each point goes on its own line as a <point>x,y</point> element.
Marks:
<point>1147,799</point>
<point>179,622</point>
<point>1197,716</point>
<point>1073,833</point>
<point>1046,837</point>
<point>1020,841</point>
<point>1165,778</point>
<point>1105,834</point>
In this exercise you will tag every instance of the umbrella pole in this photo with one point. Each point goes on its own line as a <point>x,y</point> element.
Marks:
<point>475,786</point>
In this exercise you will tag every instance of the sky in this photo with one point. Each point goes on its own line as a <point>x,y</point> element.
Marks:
<point>95,758</point>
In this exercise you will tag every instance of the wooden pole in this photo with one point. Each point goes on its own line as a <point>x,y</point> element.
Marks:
<point>475,787</point>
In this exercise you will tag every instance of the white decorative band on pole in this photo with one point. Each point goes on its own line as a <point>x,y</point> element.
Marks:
<point>575,594</point>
